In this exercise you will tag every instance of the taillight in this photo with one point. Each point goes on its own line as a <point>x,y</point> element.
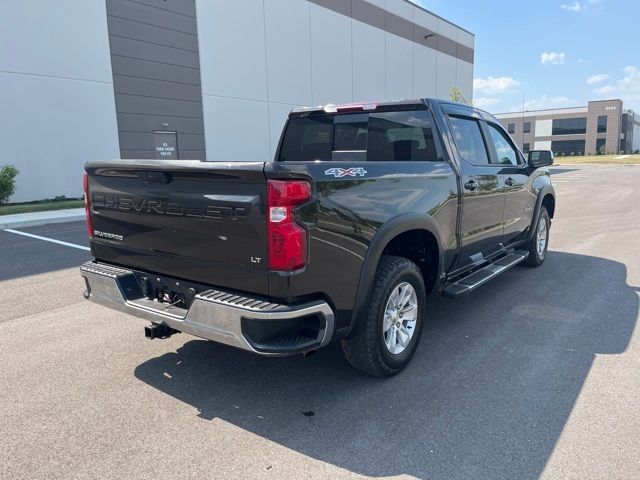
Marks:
<point>87,204</point>
<point>287,239</point>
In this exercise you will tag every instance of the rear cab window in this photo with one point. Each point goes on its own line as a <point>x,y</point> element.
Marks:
<point>377,136</point>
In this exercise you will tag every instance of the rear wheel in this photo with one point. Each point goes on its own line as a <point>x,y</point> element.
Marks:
<point>539,240</point>
<point>385,341</point>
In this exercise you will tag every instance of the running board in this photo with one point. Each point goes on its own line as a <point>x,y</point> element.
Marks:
<point>472,281</point>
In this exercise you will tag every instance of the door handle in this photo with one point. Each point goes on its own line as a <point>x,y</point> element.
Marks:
<point>471,185</point>
<point>155,177</point>
<point>509,182</point>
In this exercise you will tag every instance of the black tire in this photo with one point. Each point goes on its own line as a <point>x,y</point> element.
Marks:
<point>535,258</point>
<point>365,348</point>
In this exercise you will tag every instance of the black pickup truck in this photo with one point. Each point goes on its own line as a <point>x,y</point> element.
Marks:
<point>364,211</point>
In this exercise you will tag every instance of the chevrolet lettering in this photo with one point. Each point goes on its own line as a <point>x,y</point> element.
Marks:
<point>159,207</point>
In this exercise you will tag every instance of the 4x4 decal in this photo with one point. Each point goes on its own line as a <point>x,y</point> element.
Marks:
<point>346,172</point>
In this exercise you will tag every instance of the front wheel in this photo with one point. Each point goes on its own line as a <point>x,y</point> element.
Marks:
<point>539,240</point>
<point>384,343</point>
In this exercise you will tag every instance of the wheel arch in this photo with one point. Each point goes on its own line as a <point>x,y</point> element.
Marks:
<point>546,198</point>
<point>382,240</point>
<point>549,202</point>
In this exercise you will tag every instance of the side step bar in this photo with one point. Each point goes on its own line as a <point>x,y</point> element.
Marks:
<point>472,281</point>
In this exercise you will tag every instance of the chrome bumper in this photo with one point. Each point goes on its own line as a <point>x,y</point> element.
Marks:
<point>214,314</point>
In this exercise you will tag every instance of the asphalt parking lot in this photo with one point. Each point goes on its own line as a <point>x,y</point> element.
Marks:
<point>535,375</point>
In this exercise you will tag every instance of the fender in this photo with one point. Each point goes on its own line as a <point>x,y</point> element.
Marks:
<point>547,189</point>
<point>386,233</point>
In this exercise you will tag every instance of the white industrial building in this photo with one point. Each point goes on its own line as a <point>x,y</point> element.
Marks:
<point>206,79</point>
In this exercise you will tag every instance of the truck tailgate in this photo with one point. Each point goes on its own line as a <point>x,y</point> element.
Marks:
<point>201,221</point>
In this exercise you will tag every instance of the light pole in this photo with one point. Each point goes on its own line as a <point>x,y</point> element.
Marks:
<point>523,119</point>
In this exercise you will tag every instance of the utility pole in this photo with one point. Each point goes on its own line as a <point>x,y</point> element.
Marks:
<point>523,119</point>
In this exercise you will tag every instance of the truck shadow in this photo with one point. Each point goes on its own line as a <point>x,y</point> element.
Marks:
<point>487,395</point>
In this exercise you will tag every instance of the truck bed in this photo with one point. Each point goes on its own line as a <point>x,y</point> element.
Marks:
<point>201,221</point>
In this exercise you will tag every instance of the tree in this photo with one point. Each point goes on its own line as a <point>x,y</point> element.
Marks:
<point>455,94</point>
<point>8,174</point>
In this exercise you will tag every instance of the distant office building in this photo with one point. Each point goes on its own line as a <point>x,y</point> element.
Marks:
<point>601,127</point>
<point>206,79</point>
<point>630,133</point>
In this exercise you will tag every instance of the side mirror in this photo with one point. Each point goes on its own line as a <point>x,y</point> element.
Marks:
<point>540,158</point>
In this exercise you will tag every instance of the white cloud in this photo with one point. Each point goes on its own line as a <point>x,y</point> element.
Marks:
<point>484,102</point>
<point>599,78</point>
<point>492,85</point>
<point>574,7</point>
<point>627,88</point>
<point>552,58</point>
<point>606,90</point>
<point>630,83</point>
<point>545,101</point>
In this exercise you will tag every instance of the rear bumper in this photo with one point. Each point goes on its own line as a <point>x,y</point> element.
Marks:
<point>249,323</point>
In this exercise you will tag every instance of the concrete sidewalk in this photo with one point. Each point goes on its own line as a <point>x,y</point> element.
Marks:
<point>22,220</point>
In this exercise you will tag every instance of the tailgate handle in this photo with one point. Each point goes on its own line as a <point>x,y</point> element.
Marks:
<point>155,177</point>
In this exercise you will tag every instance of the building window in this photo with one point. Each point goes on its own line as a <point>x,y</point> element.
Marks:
<point>601,146</point>
<point>569,126</point>
<point>511,128</point>
<point>602,124</point>
<point>568,147</point>
<point>525,148</point>
<point>527,127</point>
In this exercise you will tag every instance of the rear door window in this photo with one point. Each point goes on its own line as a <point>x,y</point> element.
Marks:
<point>468,140</point>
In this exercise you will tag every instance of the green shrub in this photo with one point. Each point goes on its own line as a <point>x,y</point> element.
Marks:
<point>8,174</point>
<point>455,95</point>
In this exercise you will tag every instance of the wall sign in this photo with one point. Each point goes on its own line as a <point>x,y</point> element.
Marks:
<point>166,145</point>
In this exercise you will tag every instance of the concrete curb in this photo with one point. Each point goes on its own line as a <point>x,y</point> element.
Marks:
<point>22,220</point>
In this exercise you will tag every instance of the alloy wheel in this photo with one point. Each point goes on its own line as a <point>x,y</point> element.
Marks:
<point>400,317</point>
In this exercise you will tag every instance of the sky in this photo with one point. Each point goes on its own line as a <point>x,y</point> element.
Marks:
<point>560,53</point>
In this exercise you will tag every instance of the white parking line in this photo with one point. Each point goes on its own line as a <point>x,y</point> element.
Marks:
<point>46,239</point>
